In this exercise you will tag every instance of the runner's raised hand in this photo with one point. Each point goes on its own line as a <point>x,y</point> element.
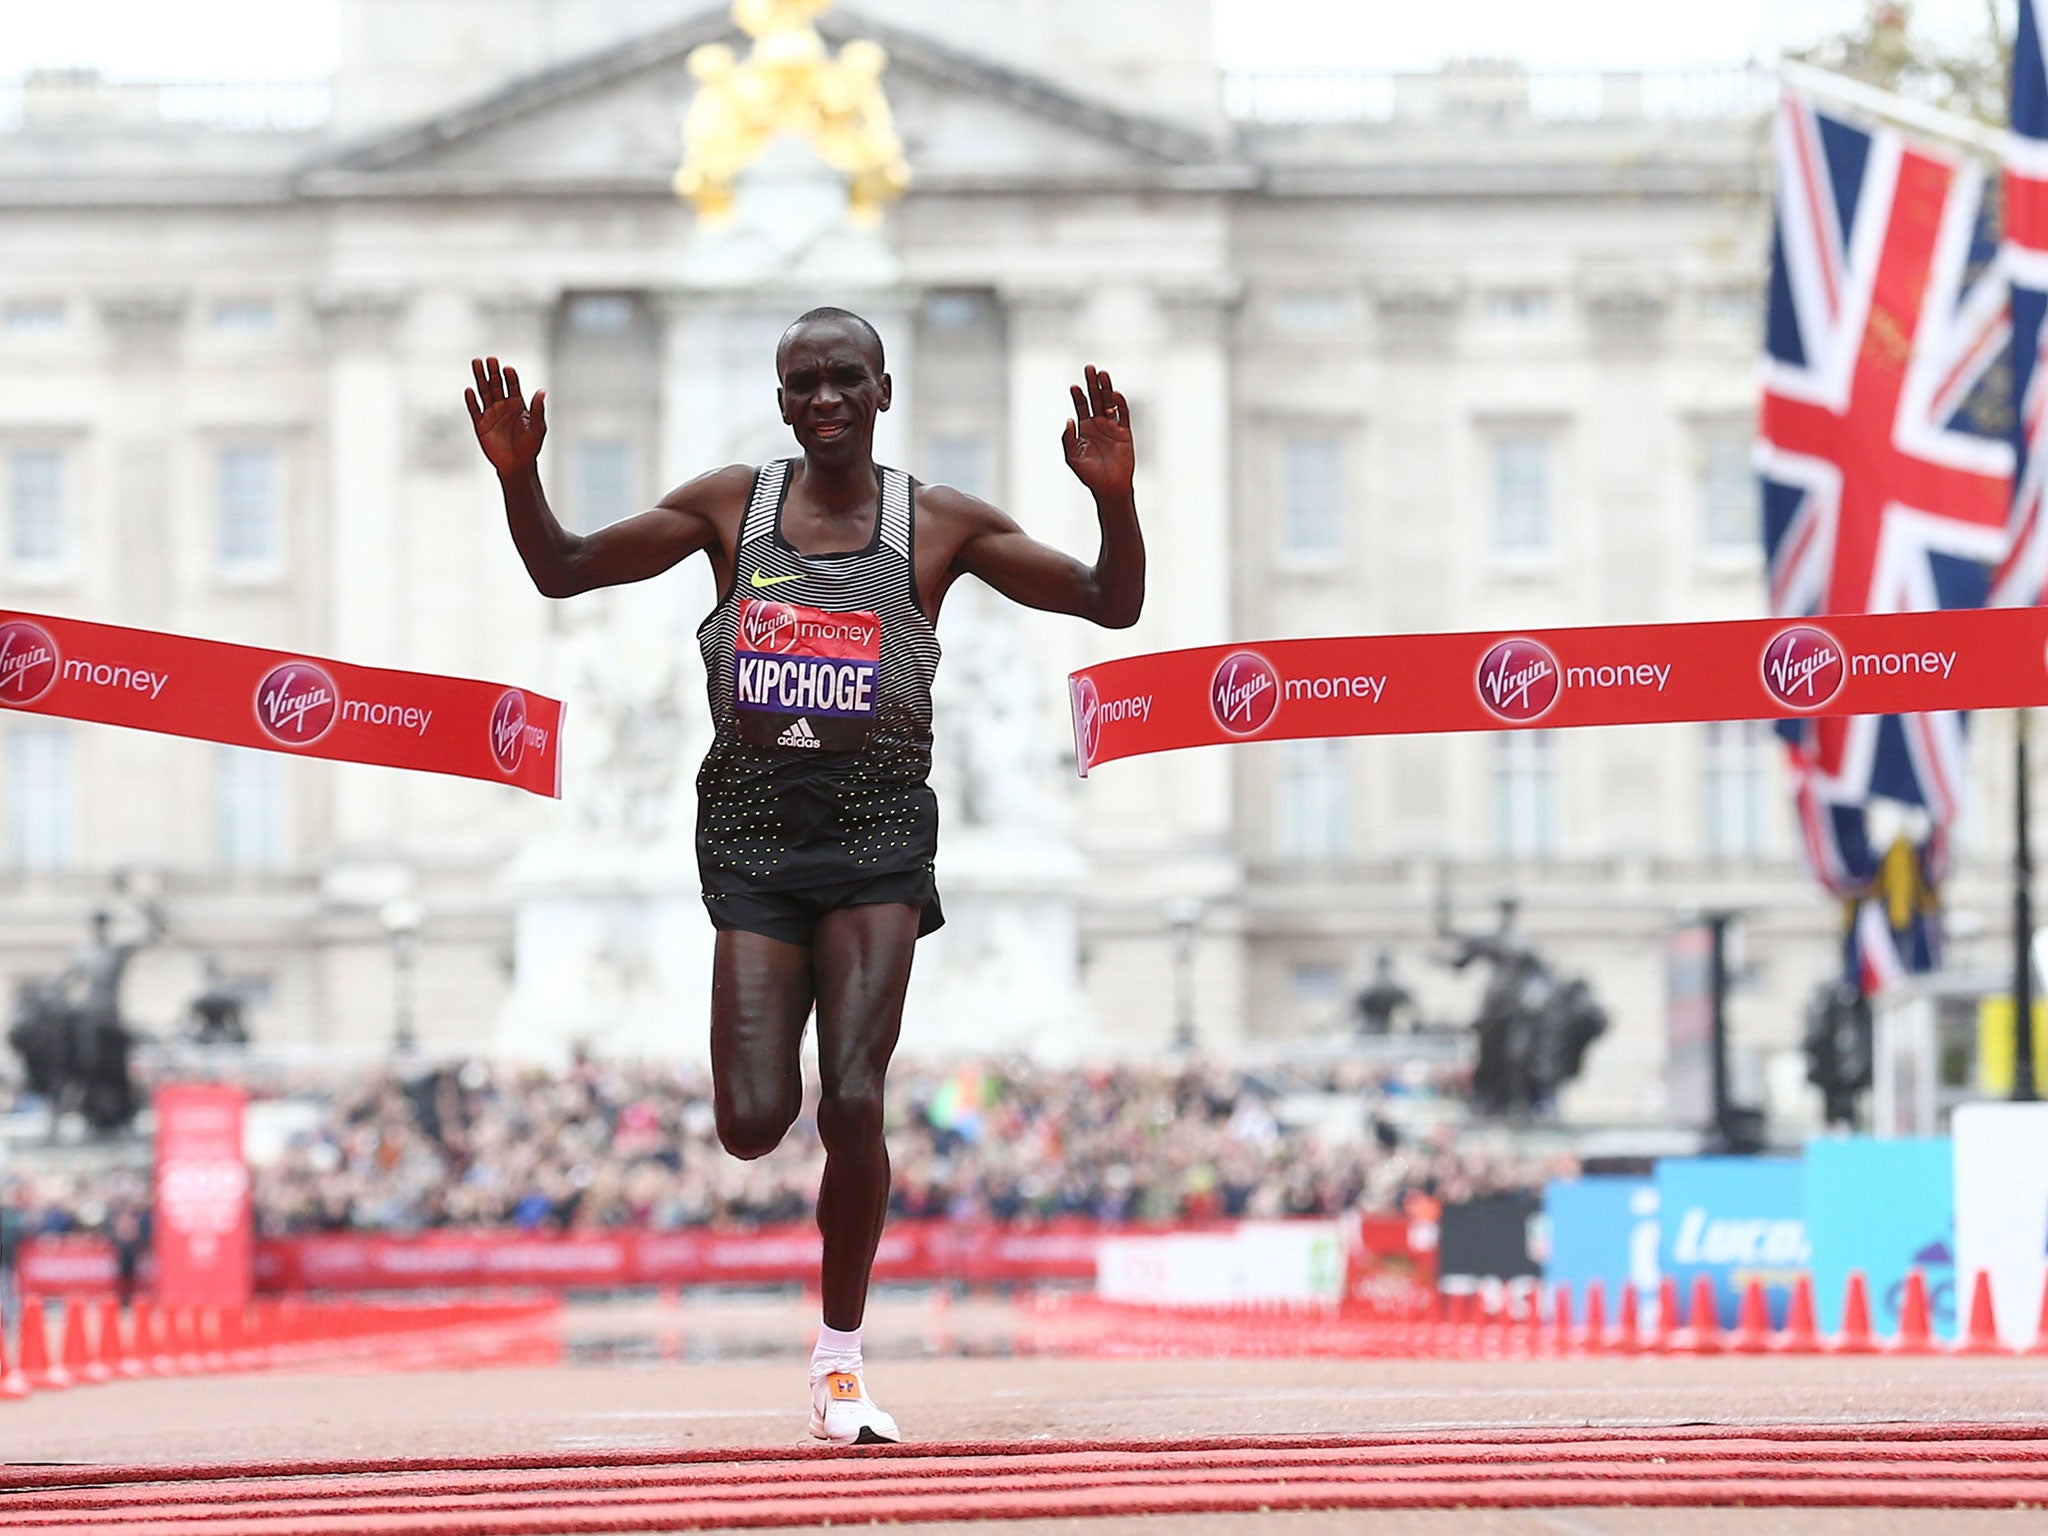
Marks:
<point>1098,439</point>
<point>508,430</point>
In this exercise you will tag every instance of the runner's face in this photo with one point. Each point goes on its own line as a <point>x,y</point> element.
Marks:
<point>832,389</point>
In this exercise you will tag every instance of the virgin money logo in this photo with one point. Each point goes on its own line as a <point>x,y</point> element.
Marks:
<point>1803,667</point>
<point>508,730</point>
<point>768,627</point>
<point>1519,680</point>
<point>1087,720</point>
<point>296,703</point>
<point>28,662</point>
<point>1244,693</point>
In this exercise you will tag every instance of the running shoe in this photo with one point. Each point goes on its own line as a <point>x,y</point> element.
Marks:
<point>842,1412</point>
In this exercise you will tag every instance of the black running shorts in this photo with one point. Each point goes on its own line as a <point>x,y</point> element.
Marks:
<point>792,916</point>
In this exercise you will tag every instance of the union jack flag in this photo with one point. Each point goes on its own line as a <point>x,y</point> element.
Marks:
<point>2023,574</point>
<point>1887,480</point>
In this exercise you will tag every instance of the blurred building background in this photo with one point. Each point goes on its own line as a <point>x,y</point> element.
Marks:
<point>1465,350</point>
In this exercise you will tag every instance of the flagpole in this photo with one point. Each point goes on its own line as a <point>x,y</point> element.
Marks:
<point>2022,922</point>
<point>1891,107</point>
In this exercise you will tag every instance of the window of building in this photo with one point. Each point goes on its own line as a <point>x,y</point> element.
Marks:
<point>1736,305</point>
<point>1308,312</point>
<point>37,535</point>
<point>1312,497</point>
<point>601,314</point>
<point>1315,986</point>
<point>1525,803</point>
<point>244,315</point>
<point>33,315</point>
<point>1314,801</point>
<point>1518,304</point>
<point>251,825</point>
<point>250,526</point>
<point>40,797</point>
<point>958,310</point>
<point>1729,501</point>
<point>603,482</point>
<point>961,462</point>
<point>1737,768</point>
<point>1524,515</point>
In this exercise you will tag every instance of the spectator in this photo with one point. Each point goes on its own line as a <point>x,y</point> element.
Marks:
<point>614,1145</point>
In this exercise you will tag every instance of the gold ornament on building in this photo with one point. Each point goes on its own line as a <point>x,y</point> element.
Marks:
<point>790,84</point>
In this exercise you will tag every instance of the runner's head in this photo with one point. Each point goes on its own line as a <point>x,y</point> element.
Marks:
<point>833,385</point>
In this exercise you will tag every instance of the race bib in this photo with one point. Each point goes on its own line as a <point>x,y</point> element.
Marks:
<point>805,680</point>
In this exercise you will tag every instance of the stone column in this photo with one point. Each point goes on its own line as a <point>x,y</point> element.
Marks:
<point>126,525</point>
<point>365,553</point>
<point>1436,803</point>
<point>146,328</point>
<point>513,325</point>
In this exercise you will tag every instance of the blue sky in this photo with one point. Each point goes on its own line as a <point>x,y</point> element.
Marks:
<point>241,39</point>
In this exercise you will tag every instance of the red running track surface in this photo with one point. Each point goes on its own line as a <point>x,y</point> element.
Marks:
<point>1960,1466</point>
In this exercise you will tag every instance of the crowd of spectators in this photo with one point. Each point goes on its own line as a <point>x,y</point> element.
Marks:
<point>602,1145</point>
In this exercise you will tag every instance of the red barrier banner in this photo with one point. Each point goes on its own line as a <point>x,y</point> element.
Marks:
<point>1633,674</point>
<point>278,701</point>
<point>202,1230</point>
<point>982,1254</point>
<point>1389,1265</point>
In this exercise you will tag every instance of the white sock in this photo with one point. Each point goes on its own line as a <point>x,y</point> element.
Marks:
<point>835,1351</point>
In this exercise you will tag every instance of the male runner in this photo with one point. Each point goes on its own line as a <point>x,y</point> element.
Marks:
<point>816,829</point>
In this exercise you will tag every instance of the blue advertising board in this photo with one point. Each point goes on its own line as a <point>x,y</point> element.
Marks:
<point>1882,1207</point>
<point>1733,1219</point>
<point>1602,1227</point>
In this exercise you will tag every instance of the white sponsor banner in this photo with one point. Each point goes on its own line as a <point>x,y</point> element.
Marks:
<point>2001,1153</point>
<point>1255,1261</point>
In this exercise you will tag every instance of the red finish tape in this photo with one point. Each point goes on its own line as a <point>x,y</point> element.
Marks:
<point>1633,674</point>
<point>279,701</point>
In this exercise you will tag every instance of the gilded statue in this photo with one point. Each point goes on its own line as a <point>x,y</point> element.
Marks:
<point>790,83</point>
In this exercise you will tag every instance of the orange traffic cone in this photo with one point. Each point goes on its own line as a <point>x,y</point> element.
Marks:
<point>1705,1317</point>
<point>1915,1336</point>
<point>2040,1344</point>
<point>1561,1318</point>
<point>1628,1332</point>
<point>13,1381</point>
<point>1855,1337</point>
<point>212,1337</point>
<point>43,1375</point>
<point>1800,1336</point>
<point>1595,1334</point>
<point>1981,1338</point>
<point>78,1355</point>
<point>185,1339</point>
<point>1753,1328</point>
<point>152,1341</point>
<point>1666,1337</point>
<point>109,1358</point>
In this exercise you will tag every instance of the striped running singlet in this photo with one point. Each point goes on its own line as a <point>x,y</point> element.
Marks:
<point>820,673</point>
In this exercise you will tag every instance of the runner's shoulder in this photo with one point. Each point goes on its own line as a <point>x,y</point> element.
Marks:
<point>954,514</point>
<point>718,494</point>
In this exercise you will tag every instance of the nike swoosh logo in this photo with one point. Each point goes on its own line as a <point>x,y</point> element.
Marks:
<point>771,581</point>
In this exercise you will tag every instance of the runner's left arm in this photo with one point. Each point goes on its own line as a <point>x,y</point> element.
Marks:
<point>1111,592</point>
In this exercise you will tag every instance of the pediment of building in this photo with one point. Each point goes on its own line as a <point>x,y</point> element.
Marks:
<point>614,119</point>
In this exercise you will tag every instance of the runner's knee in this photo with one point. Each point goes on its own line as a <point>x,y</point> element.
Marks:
<point>752,1131</point>
<point>849,1122</point>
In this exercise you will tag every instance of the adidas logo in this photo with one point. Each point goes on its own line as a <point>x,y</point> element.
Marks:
<point>799,735</point>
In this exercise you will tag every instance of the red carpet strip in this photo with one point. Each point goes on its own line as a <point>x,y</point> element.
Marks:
<point>1962,1466</point>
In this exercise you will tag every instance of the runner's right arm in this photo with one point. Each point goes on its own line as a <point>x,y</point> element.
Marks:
<point>562,563</point>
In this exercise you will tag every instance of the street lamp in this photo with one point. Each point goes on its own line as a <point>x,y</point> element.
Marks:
<point>402,917</point>
<point>1183,915</point>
